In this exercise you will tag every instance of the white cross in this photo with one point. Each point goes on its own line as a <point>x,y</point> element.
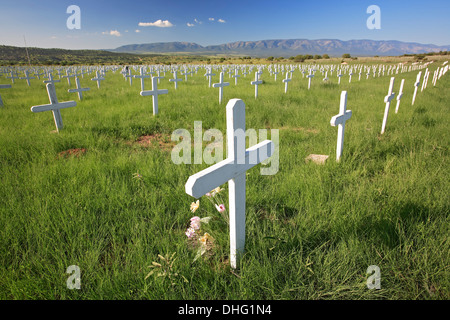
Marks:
<point>4,86</point>
<point>340,120</point>
<point>400,94</point>
<point>175,79</point>
<point>27,77</point>
<point>350,76</point>
<point>275,73</point>
<point>209,75</point>
<point>78,90</point>
<point>340,75</point>
<point>233,170</point>
<point>220,85</point>
<point>98,79</point>
<point>310,76</point>
<point>286,81</point>
<point>256,83</point>
<point>13,76</point>
<point>68,76</point>
<point>50,79</point>
<point>416,86</point>
<point>142,76</point>
<point>235,76</point>
<point>129,76</point>
<point>387,100</point>
<point>154,93</point>
<point>326,76</point>
<point>54,105</point>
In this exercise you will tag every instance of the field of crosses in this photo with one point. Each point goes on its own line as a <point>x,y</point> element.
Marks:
<point>97,186</point>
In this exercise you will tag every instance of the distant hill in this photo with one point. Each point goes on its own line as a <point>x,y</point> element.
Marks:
<point>10,55</point>
<point>290,47</point>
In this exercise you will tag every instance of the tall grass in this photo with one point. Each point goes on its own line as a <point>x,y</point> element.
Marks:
<point>311,232</point>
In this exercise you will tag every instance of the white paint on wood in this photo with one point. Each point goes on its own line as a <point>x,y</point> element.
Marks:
<point>154,93</point>
<point>387,99</point>
<point>340,120</point>
<point>233,170</point>
<point>54,106</point>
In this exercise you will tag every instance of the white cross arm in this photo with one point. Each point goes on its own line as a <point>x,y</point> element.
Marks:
<point>388,98</point>
<point>153,92</point>
<point>59,105</point>
<point>341,118</point>
<point>5,86</point>
<point>216,175</point>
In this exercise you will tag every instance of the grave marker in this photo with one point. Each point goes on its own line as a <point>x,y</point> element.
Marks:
<point>286,81</point>
<point>98,79</point>
<point>387,100</point>
<point>54,106</point>
<point>27,77</point>
<point>340,120</point>
<point>400,94</point>
<point>220,85</point>
<point>154,93</point>
<point>256,83</point>
<point>233,169</point>
<point>78,90</point>
<point>175,79</point>
<point>416,86</point>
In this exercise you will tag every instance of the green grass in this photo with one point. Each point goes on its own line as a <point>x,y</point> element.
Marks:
<point>311,232</point>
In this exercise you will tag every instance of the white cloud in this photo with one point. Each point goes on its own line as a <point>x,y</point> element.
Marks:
<point>137,30</point>
<point>211,19</point>
<point>158,23</point>
<point>221,21</point>
<point>196,21</point>
<point>190,24</point>
<point>112,33</point>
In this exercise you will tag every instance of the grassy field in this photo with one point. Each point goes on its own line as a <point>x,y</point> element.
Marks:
<point>75,198</point>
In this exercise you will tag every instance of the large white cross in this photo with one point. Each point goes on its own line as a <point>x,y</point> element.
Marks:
<point>340,120</point>
<point>220,85</point>
<point>175,79</point>
<point>387,100</point>
<point>286,81</point>
<point>27,77</point>
<point>256,83</point>
<point>233,170</point>
<point>54,106</point>
<point>154,93</point>
<point>400,94</point>
<point>4,86</point>
<point>78,90</point>
<point>98,79</point>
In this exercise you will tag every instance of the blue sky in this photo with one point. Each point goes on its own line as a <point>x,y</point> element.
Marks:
<point>109,24</point>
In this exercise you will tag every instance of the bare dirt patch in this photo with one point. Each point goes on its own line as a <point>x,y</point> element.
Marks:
<point>156,140</point>
<point>75,152</point>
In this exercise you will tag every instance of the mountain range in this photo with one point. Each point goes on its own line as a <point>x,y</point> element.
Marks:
<point>288,47</point>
